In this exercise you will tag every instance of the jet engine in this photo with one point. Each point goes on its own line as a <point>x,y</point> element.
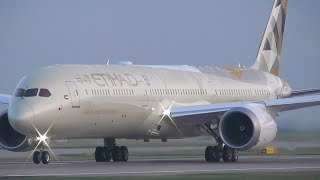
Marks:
<point>247,127</point>
<point>12,140</point>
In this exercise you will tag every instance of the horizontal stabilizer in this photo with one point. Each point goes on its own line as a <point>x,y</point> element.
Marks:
<point>305,92</point>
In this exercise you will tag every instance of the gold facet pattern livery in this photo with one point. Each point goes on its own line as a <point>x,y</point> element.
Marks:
<point>268,57</point>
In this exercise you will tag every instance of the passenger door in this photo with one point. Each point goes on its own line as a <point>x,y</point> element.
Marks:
<point>74,94</point>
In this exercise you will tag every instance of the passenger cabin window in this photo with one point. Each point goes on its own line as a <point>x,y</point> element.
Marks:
<point>19,92</point>
<point>31,92</point>
<point>44,93</point>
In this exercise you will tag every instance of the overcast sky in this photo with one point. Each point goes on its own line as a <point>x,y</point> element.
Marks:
<point>39,33</point>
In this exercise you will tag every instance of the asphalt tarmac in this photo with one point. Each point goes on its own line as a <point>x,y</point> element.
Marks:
<point>161,166</point>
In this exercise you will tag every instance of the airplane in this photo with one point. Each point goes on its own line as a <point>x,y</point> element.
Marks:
<point>237,106</point>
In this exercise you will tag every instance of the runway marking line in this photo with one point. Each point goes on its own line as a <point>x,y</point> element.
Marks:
<point>152,172</point>
<point>170,159</point>
<point>53,163</point>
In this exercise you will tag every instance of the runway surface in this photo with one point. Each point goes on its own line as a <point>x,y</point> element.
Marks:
<point>162,166</point>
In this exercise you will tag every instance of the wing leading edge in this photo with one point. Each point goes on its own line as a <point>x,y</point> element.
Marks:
<point>292,103</point>
<point>198,114</point>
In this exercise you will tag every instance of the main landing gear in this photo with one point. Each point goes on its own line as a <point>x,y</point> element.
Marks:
<point>41,156</point>
<point>111,151</point>
<point>215,153</point>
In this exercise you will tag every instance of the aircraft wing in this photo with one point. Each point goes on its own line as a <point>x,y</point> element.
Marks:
<point>5,99</point>
<point>199,114</point>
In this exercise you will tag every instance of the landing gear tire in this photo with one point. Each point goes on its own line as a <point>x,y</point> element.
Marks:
<point>227,154</point>
<point>102,154</point>
<point>235,156</point>
<point>208,153</point>
<point>37,157</point>
<point>217,154</point>
<point>98,154</point>
<point>124,153</point>
<point>45,157</point>
<point>107,154</point>
<point>116,154</point>
<point>212,154</point>
<point>41,156</point>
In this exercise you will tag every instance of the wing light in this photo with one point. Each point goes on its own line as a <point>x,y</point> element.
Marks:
<point>167,113</point>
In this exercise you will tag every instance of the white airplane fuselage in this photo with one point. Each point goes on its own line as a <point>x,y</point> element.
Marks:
<point>235,106</point>
<point>127,101</point>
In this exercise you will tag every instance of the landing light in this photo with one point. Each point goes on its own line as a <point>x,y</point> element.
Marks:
<point>167,113</point>
<point>42,138</point>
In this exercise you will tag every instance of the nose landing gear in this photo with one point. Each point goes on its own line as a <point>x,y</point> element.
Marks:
<point>41,156</point>
<point>111,150</point>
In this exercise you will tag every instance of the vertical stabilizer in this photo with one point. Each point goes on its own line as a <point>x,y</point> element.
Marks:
<point>270,48</point>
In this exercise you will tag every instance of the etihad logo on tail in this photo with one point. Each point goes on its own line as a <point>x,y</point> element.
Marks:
<point>270,48</point>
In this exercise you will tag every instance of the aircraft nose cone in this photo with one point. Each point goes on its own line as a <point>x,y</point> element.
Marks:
<point>21,117</point>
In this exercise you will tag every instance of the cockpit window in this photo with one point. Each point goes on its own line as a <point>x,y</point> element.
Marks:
<point>19,92</point>
<point>31,92</point>
<point>44,93</point>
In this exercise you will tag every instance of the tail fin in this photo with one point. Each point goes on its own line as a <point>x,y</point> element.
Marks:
<point>270,48</point>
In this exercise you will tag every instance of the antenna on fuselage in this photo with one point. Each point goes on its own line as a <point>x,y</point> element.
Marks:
<point>241,66</point>
<point>107,62</point>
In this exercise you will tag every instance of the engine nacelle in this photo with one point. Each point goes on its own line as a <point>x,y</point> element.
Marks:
<point>12,140</point>
<point>247,127</point>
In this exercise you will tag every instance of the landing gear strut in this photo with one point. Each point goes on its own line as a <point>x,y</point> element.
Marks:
<point>41,156</point>
<point>215,153</point>
<point>111,151</point>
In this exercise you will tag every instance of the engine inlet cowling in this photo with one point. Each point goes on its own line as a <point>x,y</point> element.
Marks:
<point>12,140</point>
<point>247,127</point>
